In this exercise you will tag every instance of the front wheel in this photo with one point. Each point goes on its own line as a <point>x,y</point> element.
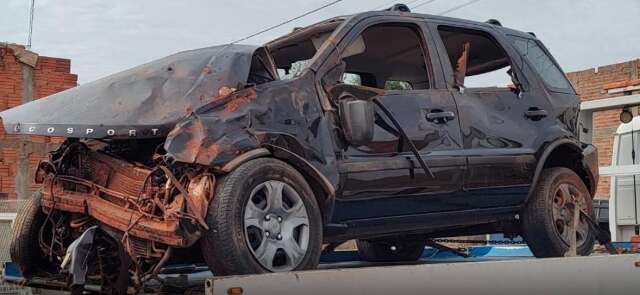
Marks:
<point>25,249</point>
<point>548,216</point>
<point>263,218</point>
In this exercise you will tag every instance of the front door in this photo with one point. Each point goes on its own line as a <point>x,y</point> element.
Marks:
<point>383,178</point>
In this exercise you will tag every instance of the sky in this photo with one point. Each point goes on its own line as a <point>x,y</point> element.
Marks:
<point>104,37</point>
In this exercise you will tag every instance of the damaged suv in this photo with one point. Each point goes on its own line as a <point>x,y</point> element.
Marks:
<point>377,127</point>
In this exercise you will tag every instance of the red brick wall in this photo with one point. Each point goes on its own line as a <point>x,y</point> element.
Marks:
<point>590,84</point>
<point>50,75</point>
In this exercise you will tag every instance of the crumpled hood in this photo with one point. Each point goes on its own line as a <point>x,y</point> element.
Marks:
<point>142,102</point>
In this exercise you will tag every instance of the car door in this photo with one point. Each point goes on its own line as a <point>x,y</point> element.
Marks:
<point>383,178</point>
<point>502,125</point>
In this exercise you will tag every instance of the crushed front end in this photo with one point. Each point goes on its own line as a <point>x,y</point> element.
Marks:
<point>143,205</point>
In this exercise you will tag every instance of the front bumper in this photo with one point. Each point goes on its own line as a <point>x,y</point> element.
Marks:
<point>120,195</point>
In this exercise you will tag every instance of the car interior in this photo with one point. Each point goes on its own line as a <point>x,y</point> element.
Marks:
<point>385,56</point>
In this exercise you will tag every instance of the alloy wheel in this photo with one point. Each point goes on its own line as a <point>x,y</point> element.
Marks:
<point>276,226</point>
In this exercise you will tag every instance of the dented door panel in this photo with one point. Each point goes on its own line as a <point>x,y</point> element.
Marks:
<point>498,139</point>
<point>501,143</point>
<point>376,175</point>
<point>400,188</point>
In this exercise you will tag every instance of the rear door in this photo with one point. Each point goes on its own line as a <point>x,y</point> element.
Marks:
<point>502,116</point>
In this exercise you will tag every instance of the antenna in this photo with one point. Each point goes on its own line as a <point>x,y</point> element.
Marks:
<point>31,11</point>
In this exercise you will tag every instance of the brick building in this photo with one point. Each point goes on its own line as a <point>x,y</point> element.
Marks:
<point>616,80</point>
<point>24,76</point>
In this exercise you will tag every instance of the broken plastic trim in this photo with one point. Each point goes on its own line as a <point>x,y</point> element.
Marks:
<point>404,136</point>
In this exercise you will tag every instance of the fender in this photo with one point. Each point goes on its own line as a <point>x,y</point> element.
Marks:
<point>545,154</point>
<point>250,155</point>
<point>293,159</point>
<point>307,168</point>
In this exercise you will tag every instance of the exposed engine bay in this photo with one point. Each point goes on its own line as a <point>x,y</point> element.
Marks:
<point>146,205</point>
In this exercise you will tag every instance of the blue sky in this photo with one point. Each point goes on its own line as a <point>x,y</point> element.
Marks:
<point>104,37</point>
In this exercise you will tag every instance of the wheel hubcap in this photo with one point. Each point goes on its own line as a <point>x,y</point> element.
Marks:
<point>276,226</point>
<point>563,199</point>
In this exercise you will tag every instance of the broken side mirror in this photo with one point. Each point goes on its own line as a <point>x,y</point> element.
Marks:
<point>357,118</point>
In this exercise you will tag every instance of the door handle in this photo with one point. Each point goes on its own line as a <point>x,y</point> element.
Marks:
<point>440,117</point>
<point>535,114</point>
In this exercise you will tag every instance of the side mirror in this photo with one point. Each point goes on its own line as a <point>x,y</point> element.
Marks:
<point>357,118</point>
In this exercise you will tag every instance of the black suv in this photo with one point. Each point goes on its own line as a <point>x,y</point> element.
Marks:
<point>382,127</point>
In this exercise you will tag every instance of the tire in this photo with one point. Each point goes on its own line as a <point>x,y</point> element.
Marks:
<point>25,249</point>
<point>391,250</point>
<point>543,229</point>
<point>229,247</point>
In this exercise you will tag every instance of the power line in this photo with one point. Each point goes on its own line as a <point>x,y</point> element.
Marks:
<point>458,7</point>
<point>287,21</point>
<point>423,3</point>
<point>31,11</point>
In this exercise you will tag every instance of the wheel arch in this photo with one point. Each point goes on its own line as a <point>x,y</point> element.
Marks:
<point>564,153</point>
<point>322,188</point>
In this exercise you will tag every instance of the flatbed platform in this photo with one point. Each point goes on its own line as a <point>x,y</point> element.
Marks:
<point>617,274</point>
<point>489,270</point>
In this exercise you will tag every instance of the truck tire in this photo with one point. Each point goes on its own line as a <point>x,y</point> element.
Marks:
<point>263,218</point>
<point>546,217</point>
<point>25,249</point>
<point>390,250</point>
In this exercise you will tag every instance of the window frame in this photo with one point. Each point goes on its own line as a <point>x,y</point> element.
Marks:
<point>426,42</point>
<point>447,68</point>
<point>426,60</point>
<point>506,47</point>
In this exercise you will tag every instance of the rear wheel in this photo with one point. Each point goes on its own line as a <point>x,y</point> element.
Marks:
<point>547,219</point>
<point>263,218</point>
<point>391,249</point>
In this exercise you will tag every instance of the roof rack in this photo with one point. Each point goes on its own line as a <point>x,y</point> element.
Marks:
<point>399,7</point>
<point>494,22</point>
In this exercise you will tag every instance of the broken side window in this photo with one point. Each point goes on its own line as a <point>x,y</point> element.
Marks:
<point>292,53</point>
<point>487,64</point>
<point>541,62</point>
<point>388,56</point>
<point>262,68</point>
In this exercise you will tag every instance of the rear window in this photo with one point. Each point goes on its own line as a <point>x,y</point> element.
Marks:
<point>541,62</point>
